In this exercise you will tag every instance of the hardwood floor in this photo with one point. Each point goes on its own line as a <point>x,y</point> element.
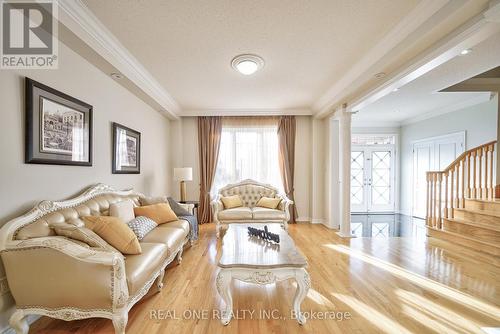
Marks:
<point>395,285</point>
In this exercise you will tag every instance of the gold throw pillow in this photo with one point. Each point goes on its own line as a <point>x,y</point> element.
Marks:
<point>114,232</point>
<point>268,202</point>
<point>161,213</point>
<point>231,201</point>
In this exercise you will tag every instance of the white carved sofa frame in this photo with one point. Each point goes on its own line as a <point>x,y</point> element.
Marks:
<point>250,201</point>
<point>108,263</point>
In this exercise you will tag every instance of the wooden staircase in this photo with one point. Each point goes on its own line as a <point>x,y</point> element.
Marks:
<point>461,207</point>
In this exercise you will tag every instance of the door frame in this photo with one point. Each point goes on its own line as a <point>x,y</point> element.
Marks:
<point>368,167</point>
<point>434,139</point>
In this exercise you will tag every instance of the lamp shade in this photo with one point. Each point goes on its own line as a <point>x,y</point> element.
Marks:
<point>183,174</point>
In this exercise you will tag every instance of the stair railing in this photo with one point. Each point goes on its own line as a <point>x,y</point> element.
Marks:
<point>470,176</point>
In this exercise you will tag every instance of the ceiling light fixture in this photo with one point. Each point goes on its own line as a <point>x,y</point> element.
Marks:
<point>465,52</point>
<point>247,64</point>
<point>395,89</point>
<point>380,75</point>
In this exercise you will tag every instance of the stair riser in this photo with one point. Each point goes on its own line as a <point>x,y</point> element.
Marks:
<point>473,232</point>
<point>459,240</point>
<point>478,205</point>
<point>477,217</point>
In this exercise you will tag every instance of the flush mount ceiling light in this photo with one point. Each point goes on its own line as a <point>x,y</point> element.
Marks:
<point>380,75</point>
<point>465,52</point>
<point>247,64</point>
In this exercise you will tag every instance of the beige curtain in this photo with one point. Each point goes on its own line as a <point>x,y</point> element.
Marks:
<point>286,139</point>
<point>209,135</point>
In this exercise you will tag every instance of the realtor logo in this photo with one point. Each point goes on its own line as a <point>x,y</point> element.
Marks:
<point>28,34</point>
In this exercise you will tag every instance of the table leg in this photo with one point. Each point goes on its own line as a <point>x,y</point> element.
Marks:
<point>303,285</point>
<point>223,287</point>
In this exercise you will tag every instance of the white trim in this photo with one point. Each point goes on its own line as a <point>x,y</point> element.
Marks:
<point>410,23</point>
<point>468,35</point>
<point>481,98</point>
<point>303,219</point>
<point>318,221</point>
<point>246,112</point>
<point>447,135</point>
<point>85,25</point>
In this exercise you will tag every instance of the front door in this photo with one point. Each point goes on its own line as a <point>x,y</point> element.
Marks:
<point>372,178</point>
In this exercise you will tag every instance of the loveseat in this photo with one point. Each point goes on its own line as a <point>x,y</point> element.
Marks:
<point>67,279</point>
<point>250,192</point>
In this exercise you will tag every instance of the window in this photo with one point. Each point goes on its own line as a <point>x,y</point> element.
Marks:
<point>369,139</point>
<point>248,152</point>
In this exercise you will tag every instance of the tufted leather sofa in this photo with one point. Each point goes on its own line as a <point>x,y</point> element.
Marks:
<point>250,192</point>
<point>68,279</point>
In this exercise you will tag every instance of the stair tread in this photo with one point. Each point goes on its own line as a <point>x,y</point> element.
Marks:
<point>481,212</point>
<point>467,237</point>
<point>484,200</point>
<point>475,224</point>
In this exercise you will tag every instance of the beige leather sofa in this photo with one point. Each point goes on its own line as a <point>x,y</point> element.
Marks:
<point>250,192</point>
<point>66,279</point>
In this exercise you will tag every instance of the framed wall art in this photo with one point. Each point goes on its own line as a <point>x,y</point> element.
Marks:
<point>58,127</point>
<point>126,150</point>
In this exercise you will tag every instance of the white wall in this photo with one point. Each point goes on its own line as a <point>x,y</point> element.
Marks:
<point>478,121</point>
<point>185,154</point>
<point>22,185</point>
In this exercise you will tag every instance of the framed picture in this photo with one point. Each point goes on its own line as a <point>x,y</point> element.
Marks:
<point>58,127</point>
<point>126,150</point>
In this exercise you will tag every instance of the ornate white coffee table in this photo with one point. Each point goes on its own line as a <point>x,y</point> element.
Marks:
<point>253,260</point>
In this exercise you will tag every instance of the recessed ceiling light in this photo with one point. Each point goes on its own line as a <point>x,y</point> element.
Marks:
<point>247,64</point>
<point>380,75</point>
<point>116,75</point>
<point>465,52</point>
<point>395,89</point>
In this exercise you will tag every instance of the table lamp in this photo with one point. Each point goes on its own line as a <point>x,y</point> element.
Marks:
<point>183,174</point>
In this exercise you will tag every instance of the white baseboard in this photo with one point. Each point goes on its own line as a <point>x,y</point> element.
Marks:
<point>303,219</point>
<point>318,221</point>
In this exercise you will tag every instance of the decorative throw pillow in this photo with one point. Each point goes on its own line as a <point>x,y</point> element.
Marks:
<point>178,210</point>
<point>81,233</point>
<point>161,213</point>
<point>231,201</point>
<point>141,226</point>
<point>268,202</point>
<point>114,232</point>
<point>153,200</point>
<point>123,210</point>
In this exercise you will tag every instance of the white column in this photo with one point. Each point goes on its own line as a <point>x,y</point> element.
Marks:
<point>345,173</point>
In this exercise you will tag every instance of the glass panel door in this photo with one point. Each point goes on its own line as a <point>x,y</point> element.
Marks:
<point>381,182</point>
<point>372,179</point>
<point>358,181</point>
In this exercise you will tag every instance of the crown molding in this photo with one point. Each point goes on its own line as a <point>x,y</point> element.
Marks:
<point>75,15</point>
<point>424,10</point>
<point>467,36</point>
<point>246,112</point>
<point>480,98</point>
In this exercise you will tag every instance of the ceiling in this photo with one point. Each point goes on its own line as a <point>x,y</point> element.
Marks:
<point>426,100</point>
<point>188,45</point>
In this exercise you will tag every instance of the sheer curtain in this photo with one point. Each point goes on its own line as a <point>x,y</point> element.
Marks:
<point>248,150</point>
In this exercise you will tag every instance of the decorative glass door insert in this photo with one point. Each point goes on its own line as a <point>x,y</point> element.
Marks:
<point>372,178</point>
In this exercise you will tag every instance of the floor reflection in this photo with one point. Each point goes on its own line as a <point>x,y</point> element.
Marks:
<point>387,225</point>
